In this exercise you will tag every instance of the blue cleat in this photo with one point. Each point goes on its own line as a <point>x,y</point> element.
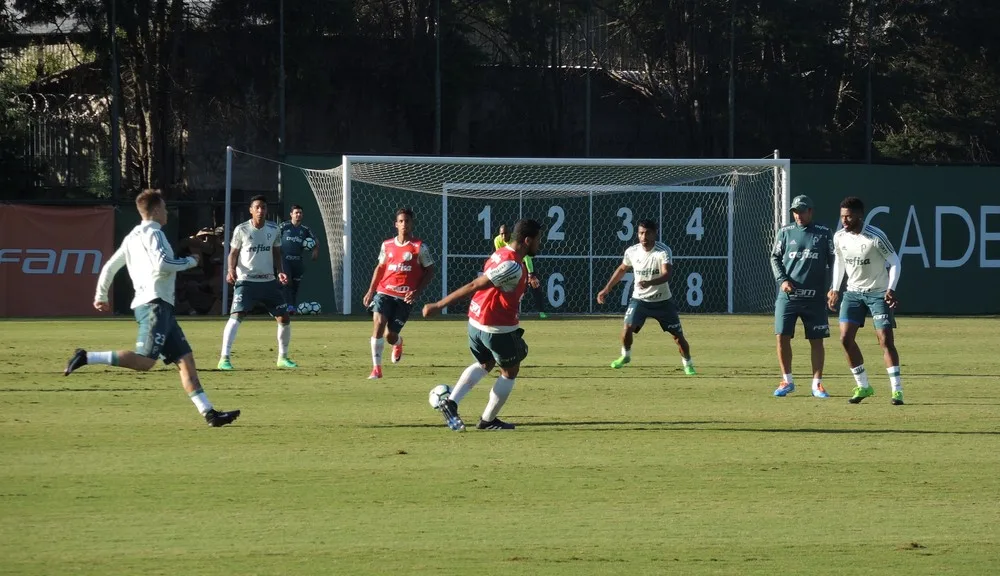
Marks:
<point>820,392</point>
<point>784,389</point>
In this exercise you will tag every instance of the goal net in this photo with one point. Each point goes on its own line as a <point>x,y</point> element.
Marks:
<point>719,217</point>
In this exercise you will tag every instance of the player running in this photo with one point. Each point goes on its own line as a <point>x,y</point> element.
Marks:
<point>254,255</point>
<point>293,234</point>
<point>802,253</point>
<point>651,263</point>
<point>153,271</point>
<point>865,254</point>
<point>495,336</point>
<point>405,267</point>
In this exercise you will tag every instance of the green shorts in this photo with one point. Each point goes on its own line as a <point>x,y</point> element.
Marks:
<point>812,312</point>
<point>506,349</point>
<point>854,306</point>
<point>159,334</point>
<point>395,311</point>
<point>664,312</point>
<point>249,294</point>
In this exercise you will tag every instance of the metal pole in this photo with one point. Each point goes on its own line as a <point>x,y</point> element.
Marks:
<point>437,77</point>
<point>281,96</point>
<point>586,119</point>
<point>228,219</point>
<point>115,88</point>
<point>732,78</point>
<point>868,91</point>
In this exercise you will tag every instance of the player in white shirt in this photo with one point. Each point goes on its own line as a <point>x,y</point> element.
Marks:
<point>153,270</point>
<point>254,257</point>
<point>651,263</point>
<point>865,254</point>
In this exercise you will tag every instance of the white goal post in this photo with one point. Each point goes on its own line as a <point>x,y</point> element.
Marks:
<point>719,216</point>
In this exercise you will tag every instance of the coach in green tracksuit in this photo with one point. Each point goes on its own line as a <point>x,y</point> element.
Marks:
<point>801,261</point>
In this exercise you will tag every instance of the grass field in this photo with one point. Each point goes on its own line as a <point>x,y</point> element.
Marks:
<point>638,471</point>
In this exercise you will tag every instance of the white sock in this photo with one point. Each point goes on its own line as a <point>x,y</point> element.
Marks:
<point>787,379</point>
<point>626,352</point>
<point>894,378</point>
<point>378,344</point>
<point>229,336</point>
<point>201,401</point>
<point>687,362</point>
<point>469,378</point>
<point>498,397</point>
<point>817,382</point>
<point>108,357</point>
<point>860,376</point>
<point>284,339</point>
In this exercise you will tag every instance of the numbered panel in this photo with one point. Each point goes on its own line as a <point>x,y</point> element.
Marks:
<point>696,223</point>
<point>697,285</point>
<point>565,225</point>
<point>616,220</point>
<point>692,223</point>
<point>473,223</point>
<point>565,283</point>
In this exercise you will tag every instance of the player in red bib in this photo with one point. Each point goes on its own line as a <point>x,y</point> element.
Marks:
<point>495,336</point>
<point>405,267</point>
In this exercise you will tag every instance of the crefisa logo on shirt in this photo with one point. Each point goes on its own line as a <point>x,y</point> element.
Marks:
<point>259,248</point>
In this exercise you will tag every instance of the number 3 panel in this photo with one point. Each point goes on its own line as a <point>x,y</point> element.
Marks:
<point>616,219</point>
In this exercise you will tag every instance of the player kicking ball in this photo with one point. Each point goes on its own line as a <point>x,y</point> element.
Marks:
<point>153,270</point>
<point>495,335</point>
<point>405,267</point>
<point>651,264</point>
<point>254,255</point>
<point>872,267</point>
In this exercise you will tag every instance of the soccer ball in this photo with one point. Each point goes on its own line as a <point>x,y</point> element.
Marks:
<point>309,308</point>
<point>439,394</point>
<point>308,244</point>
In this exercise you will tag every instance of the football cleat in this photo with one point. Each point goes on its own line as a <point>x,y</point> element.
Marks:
<point>397,351</point>
<point>286,362</point>
<point>78,360</point>
<point>621,361</point>
<point>494,424</point>
<point>449,410</point>
<point>897,398</point>
<point>784,389</point>
<point>215,419</point>
<point>860,394</point>
<point>224,364</point>
<point>376,373</point>
<point>689,370</point>
<point>820,392</point>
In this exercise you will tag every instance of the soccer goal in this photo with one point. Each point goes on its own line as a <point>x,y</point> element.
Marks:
<point>719,216</point>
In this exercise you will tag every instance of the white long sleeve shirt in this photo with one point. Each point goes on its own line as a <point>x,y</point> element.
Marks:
<point>868,259</point>
<point>151,265</point>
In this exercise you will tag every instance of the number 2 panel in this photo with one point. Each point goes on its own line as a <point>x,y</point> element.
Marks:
<point>565,224</point>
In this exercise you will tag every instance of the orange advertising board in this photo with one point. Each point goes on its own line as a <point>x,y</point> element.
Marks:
<point>50,258</point>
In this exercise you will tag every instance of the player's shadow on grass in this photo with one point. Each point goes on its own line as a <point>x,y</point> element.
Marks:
<point>696,426</point>
<point>854,431</point>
